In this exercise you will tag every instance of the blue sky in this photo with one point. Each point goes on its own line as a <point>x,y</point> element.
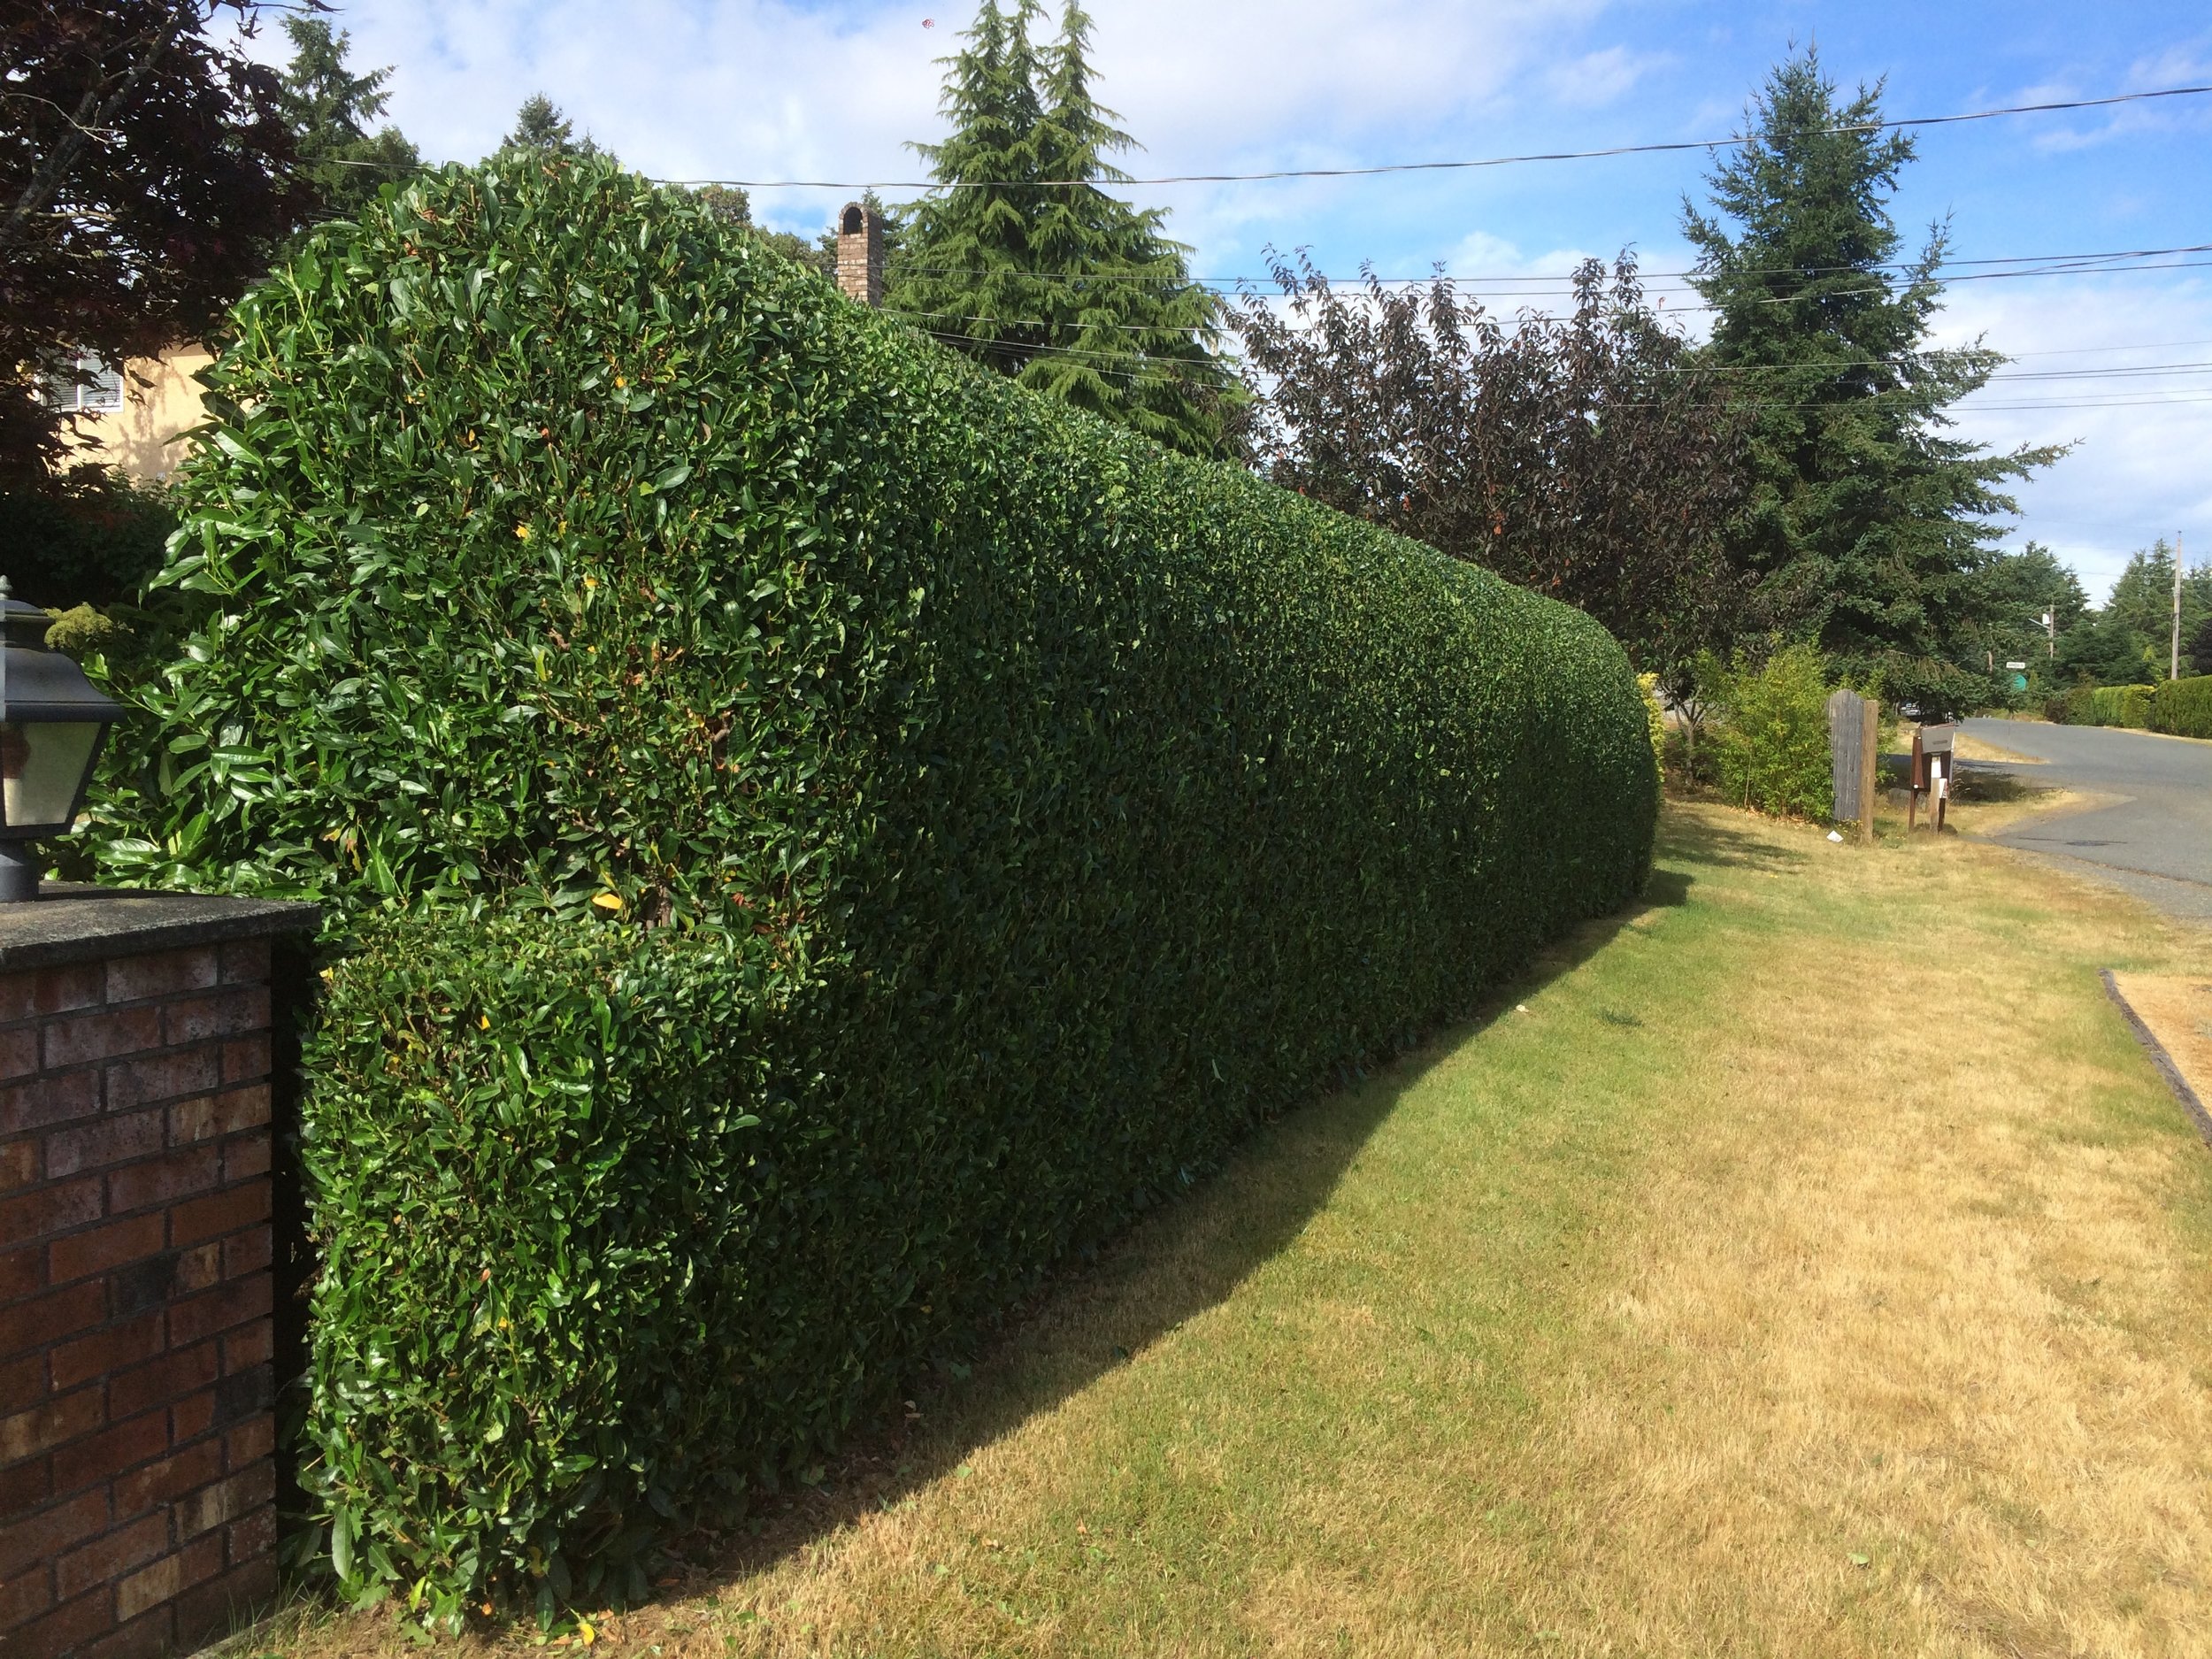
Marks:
<point>774,89</point>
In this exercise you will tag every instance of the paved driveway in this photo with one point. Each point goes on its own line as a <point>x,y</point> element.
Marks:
<point>2156,842</point>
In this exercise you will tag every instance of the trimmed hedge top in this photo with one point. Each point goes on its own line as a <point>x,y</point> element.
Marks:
<point>857,831</point>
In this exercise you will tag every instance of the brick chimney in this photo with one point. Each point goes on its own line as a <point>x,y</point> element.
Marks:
<point>860,253</point>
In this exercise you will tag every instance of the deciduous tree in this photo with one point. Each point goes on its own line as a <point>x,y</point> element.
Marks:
<point>145,169</point>
<point>1587,457</point>
<point>733,205</point>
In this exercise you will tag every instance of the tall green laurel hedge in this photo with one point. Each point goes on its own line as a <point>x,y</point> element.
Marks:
<point>2184,707</point>
<point>827,835</point>
<point>2103,705</point>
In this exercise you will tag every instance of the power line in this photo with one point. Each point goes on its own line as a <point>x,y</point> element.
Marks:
<point>2058,266</point>
<point>1166,365</point>
<point>2059,261</point>
<point>1734,141</point>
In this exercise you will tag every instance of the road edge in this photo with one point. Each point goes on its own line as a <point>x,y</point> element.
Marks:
<point>2160,1058</point>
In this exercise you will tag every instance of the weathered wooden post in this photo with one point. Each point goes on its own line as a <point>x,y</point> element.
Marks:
<point>1855,725</point>
<point>1870,756</point>
<point>1847,714</point>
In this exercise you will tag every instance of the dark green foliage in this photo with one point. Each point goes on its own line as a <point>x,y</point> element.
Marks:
<point>2005,623</point>
<point>734,207</point>
<point>2143,602</point>
<point>330,110</point>
<point>1771,749</point>
<point>1869,526</point>
<point>1022,261</point>
<point>1930,688</point>
<point>539,125</point>
<point>2196,649</point>
<point>1025,810</point>
<point>92,537</point>
<point>2129,640</point>
<point>2105,705</point>
<point>2183,707</point>
<point>2104,648</point>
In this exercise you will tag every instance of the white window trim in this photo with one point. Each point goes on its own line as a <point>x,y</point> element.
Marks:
<point>103,396</point>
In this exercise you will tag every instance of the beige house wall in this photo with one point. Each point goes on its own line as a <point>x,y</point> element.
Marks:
<point>161,400</point>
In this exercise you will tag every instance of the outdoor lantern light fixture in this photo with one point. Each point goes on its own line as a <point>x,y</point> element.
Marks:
<point>52,724</point>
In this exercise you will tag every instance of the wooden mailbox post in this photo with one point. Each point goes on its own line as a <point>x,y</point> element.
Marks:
<point>1931,763</point>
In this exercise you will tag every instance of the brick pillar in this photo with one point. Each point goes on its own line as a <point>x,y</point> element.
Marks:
<point>136,1438</point>
<point>860,253</point>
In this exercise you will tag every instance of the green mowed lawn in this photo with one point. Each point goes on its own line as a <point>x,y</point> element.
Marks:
<point>1807,1263</point>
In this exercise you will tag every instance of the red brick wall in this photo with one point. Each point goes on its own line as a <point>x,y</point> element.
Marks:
<point>136,1478</point>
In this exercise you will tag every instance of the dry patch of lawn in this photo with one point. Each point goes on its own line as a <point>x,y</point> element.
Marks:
<point>2178,1010</point>
<point>1966,746</point>
<point>1811,1263</point>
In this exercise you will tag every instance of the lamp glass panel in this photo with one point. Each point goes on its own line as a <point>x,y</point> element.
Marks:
<point>42,762</point>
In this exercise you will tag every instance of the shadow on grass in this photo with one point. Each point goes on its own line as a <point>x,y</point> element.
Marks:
<point>1185,1258</point>
<point>1706,842</point>
<point>1985,783</point>
<point>1977,782</point>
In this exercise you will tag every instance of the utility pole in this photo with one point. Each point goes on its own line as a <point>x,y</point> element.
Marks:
<point>2174,672</point>
<point>2050,627</point>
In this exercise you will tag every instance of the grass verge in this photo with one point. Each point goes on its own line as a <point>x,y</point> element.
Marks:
<point>1807,1263</point>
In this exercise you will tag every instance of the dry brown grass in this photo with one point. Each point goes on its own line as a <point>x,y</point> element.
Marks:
<point>2178,1010</point>
<point>1967,747</point>
<point>1815,1267</point>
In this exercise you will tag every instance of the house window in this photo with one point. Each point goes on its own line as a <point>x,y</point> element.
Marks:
<point>97,389</point>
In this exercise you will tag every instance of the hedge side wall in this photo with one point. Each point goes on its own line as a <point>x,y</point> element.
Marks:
<point>831,834</point>
<point>2128,706</point>
<point>2184,707</point>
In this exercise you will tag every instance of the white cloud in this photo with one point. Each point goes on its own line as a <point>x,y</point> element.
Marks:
<point>778,88</point>
<point>2142,464</point>
<point>1601,77</point>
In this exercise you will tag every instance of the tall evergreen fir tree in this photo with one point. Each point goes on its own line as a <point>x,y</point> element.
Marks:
<point>329,109</point>
<point>540,124</point>
<point>1868,530</point>
<point>1024,261</point>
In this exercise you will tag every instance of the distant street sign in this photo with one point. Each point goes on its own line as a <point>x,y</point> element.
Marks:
<point>2015,664</point>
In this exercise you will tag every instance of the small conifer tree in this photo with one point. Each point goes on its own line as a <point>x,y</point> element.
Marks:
<point>1023,260</point>
<point>540,124</point>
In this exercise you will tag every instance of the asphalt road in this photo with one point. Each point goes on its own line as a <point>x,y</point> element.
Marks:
<point>2155,841</point>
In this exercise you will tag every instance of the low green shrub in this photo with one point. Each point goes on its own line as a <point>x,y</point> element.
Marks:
<point>1771,748</point>
<point>2121,705</point>
<point>832,834</point>
<point>1656,715</point>
<point>2102,705</point>
<point>92,537</point>
<point>2183,707</point>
